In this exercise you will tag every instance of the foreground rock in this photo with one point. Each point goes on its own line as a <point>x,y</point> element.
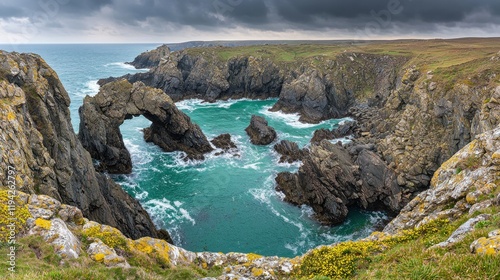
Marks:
<point>102,115</point>
<point>260,132</point>
<point>289,151</point>
<point>331,179</point>
<point>38,141</point>
<point>110,247</point>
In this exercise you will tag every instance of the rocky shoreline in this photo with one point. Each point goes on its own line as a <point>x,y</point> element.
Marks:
<point>422,147</point>
<point>407,123</point>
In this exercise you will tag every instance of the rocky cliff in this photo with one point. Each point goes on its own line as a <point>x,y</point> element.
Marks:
<point>320,89</point>
<point>411,116</point>
<point>102,115</point>
<point>38,141</point>
<point>150,59</point>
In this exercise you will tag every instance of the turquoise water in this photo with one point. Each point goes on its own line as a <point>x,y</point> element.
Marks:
<point>225,203</point>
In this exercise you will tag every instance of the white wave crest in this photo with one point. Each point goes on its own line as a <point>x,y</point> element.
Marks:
<point>124,66</point>
<point>162,210</point>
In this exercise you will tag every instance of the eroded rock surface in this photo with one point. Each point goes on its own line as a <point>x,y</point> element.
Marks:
<point>102,115</point>
<point>260,132</point>
<point>331,179</point>
<point>38,141</point>
<point>289,151</point>
<point>457,186</point>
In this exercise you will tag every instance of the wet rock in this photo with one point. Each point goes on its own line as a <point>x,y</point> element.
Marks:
<point>346,128</point>
<point>224,142</point>
<point>331,179</point>
<point>102,115</point>
<point>289,151</point>
<point>260,132</point>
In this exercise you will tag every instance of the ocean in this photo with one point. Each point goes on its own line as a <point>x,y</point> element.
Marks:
<point>224,203</point>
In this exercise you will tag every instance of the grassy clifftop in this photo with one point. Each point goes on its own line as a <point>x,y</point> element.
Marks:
<point>432,54</point>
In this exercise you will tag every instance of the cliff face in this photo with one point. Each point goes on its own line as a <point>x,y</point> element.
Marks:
<point>467,182</point>
<point>38,140</point>
<point>317,90</point>
<point>150,59</point>
<point>409,119</point>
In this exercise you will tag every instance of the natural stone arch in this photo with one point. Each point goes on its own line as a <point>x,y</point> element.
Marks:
<point>102,115</point>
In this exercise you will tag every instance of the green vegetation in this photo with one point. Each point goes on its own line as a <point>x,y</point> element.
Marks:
<point>407,256</point>
<point>466,61</point>
<point>35,259</point>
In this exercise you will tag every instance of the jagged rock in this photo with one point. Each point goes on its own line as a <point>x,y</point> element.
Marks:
<point>316,93</point>
<point>459,234</point>
<point>102,115</point>
<point>38,140</point>
<point>100,252</point>
<point>346,128</point>
<point>260,132</point>
<point>224,142</point>
<point>331,179</point>
<point>468,171</point>
<point>289,151</point>
<point>379,187</point>
<point>150,59</point>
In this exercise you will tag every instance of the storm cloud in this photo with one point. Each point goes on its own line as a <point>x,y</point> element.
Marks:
<point>174,20</point>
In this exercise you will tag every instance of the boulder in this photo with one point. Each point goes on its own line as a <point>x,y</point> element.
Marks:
<point>260,132</point>
<point>102,253</point>
<point>487,246</point>
<point>57,233</point>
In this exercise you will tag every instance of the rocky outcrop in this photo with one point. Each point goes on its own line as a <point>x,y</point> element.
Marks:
<point>289,151</point>
<point>102,115</point>
<point>224,142</point>
<point>319,90</point>
<point>150,59</point>
<point>38,142</point>
<point>333,178</point>
<point>110,247</point>
<point>345,128</point>
<point>260,132</point>
<point>463,181</point>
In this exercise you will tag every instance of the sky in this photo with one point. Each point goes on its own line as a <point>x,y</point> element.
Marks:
<point>170,21</point>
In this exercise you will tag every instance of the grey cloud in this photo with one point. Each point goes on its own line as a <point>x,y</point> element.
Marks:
<point>264,15</point>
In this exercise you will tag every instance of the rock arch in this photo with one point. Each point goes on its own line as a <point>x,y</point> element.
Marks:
<point>102,115</point>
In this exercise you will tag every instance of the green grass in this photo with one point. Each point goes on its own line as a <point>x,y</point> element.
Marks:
<point>414,260</point>
<point>37,260</point>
